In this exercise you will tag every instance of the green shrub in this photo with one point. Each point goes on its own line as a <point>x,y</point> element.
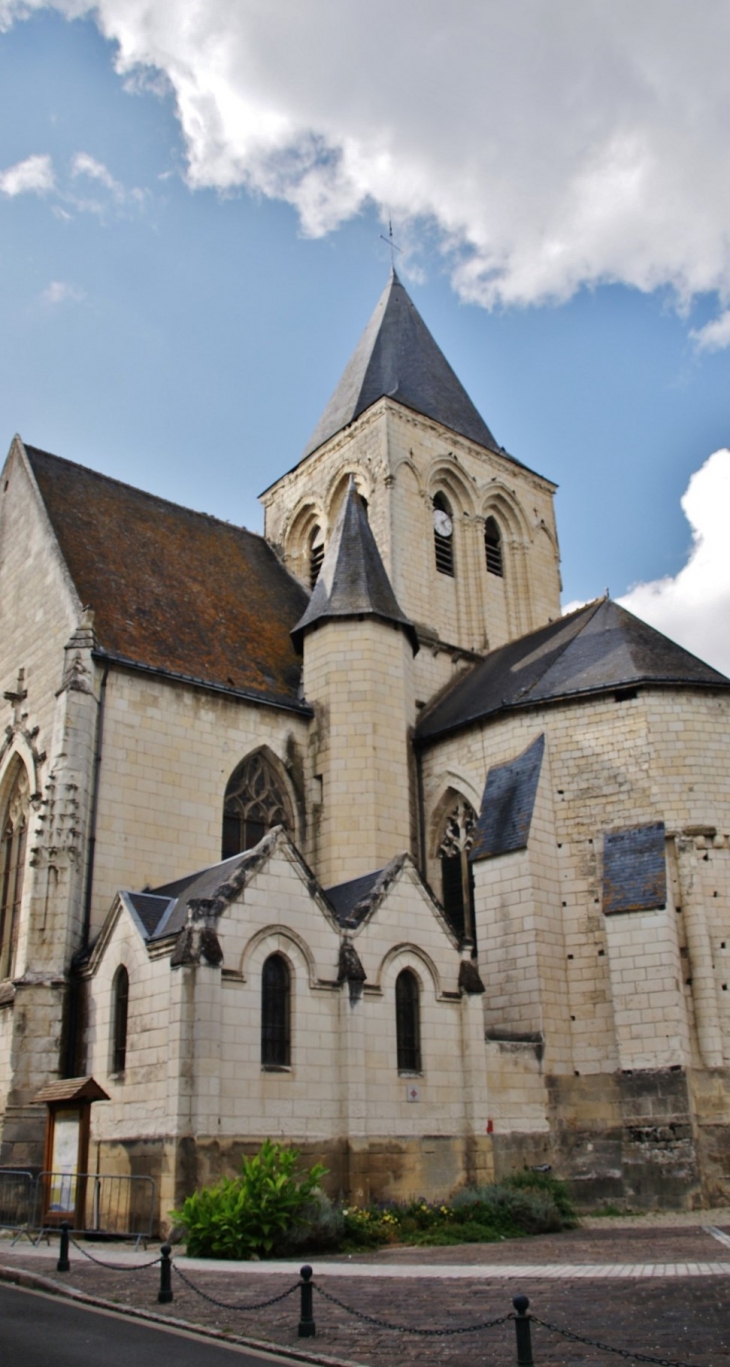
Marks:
<point>246,1216</point>
<point>551,1186</point>
<point>320,1228</point>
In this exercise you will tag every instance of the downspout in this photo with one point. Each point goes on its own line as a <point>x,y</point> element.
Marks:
<point>72,1038</point>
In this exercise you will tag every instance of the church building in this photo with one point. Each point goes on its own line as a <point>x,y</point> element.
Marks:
<point>343,835</point>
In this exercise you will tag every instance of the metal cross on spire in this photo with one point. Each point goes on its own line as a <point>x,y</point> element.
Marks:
<point>393,246</point>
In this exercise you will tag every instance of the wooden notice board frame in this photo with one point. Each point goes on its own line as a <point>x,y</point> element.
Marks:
<point>66,1151</point>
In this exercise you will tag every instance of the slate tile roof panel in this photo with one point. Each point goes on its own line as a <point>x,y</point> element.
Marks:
<point>634,869</point>
<point>597,648</point>
<point>503,824</point>
<point>174,589</point>
<point>149,908</point>
<point>350,901</point>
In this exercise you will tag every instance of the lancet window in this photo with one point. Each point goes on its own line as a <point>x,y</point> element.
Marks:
<point>119,1021</point>
<point>408,1022</point>
<point>255,801</point>
<point>457,880</point>
<point>276,1013</point>
<point>12,867</point>
<point>493,548</point>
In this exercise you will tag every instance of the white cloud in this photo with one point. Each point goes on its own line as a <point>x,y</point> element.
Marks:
<point>551,146</point>
<point>694,606</point>
<point>85,165</point>
<point>60,291</point>
<point>32,176</point>
<point>714,335</point>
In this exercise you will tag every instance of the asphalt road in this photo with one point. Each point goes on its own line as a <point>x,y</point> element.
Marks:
<point>37,1330</point>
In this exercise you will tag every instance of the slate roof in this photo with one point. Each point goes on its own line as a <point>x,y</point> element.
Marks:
<point>397,357</point>
<point>353,581</point>
<point>634,869</point>
<point>351,901</point>
<point>175,590</point>
<point>505,816</point>
<point>204,885</point>
<point>598,648</point>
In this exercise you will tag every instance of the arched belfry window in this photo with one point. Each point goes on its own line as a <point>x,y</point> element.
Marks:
<point>443,535</point>
<point>255,801</point>
<point>12,867</point>
<point>276,1013</point>
<point>120,1014</point>
<point>456,874</point>
<point>493,548</point>
<point>408,1022</point>
<point>316,555</point>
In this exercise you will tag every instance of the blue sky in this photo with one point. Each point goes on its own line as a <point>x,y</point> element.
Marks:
<point>179,303</point>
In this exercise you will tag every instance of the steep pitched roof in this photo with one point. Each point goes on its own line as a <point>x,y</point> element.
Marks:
<point>172,589</point>
<point>599,647</point>
<point>353,581</point>
<point>397,357</point>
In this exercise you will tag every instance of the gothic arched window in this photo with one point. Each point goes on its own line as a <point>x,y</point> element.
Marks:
<point>316,555</point>
<point>408,1022</point>
<point>255,801</point>
<point>493,548</point>
<point>443,535</point>
<point>276,1013</point>
<point>12,867</point>
<point>456,873</point>
<point>120,1005</point>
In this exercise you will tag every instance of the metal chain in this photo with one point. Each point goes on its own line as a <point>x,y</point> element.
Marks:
<point>607,1348</point>
<point>405,1328</point>
<point>226,1305</point>
<point>113,1267</point>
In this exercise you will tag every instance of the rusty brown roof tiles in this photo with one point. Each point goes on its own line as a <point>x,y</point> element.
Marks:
<point>175,590</point>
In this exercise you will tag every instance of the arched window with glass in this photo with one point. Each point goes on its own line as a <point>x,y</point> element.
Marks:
<point>12,868</point>
<point>276,1013</point>
<point>255,800</point>
<point>408,1022</point>
<point>120,1019</point>
<point>457,879</point>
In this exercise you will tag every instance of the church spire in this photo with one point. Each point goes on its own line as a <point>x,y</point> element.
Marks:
<point>353,581</point>
<point>397,357</point>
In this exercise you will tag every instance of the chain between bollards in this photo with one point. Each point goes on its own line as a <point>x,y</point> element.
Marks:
<point>523,1331</point>
<point>164,1295</point>
<point>307,1327</point>
<point>64,1263</point>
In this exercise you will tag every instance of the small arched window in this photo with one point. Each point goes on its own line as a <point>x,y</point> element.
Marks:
<point>457,879</point>
<point>493,548</point>
<point>12,867</point>
<point>316,555</point>
<point>255,801</point>
<point>276,1013</point>
<point>408,1022</point>
<point>443,535</point>
<point>119,1019</point>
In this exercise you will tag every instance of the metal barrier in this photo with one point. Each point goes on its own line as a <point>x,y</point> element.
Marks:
<point>97,1204</point>
<point>17,1201</point>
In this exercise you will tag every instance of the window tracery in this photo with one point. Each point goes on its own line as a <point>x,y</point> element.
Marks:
<point>457,880</point>
<point>12,867</point>
<point>255,801</point>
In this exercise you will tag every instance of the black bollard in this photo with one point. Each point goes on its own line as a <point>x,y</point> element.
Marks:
<point>307,1327</point>
<point>164,1294</point>
<point>64,1264</point>
<point>523,1332</point>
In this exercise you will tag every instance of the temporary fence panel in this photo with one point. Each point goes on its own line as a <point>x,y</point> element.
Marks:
<point>17,1200</point>
<point>97,1203</point>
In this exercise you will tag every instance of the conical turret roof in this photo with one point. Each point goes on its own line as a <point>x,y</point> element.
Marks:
<point>398,358</point>
<point>353,581</point>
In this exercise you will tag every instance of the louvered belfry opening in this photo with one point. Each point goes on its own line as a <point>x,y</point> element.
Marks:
<point>276,1013</point>
<point>443,544</point>
<point>493,548</point>
<point>408,1023</point>
<point>316,555</point>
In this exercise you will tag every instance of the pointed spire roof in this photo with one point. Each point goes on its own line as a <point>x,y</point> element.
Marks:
<point>353,581</point>
<point>398,358</point>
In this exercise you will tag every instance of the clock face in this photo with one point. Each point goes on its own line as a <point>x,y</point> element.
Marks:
<point>442,522</point>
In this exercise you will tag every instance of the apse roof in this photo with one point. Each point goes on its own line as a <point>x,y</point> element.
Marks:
<point>397,358</point>
<point>174,590</point>
<point>599,647</point>
<point>353,581</point>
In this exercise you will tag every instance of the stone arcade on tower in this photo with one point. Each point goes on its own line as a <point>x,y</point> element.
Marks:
<point>343,834</point>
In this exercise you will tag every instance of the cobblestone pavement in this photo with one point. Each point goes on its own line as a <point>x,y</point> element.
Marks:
<point>682,1320</point>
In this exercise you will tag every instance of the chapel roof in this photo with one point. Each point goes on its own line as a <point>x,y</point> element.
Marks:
<point>398,358</point>
<point>173,590</point>
<point>353,581</point>
<point>597,648</point>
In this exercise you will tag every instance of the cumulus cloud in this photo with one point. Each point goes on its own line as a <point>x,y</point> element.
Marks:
<point>60,291</point>
<point>694,606</point>
<point>32,176</point>
<point>549,146</point>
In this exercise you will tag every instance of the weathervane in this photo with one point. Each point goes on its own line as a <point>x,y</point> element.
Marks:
<point>393,247</point>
